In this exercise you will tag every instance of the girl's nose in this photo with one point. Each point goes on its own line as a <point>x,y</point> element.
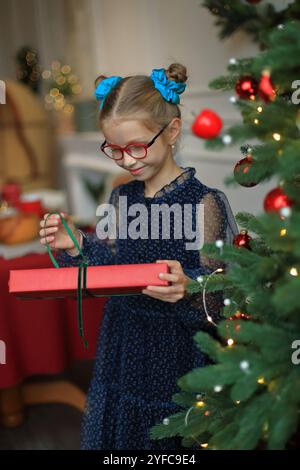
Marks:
<point>128,160</point>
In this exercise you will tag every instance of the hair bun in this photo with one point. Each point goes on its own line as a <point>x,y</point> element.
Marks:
<point>99,80</point>
<point>177,72</point>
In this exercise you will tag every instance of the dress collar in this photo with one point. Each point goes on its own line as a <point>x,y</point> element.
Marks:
<point>188,173</point>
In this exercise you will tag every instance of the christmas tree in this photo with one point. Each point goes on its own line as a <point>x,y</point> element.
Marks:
<point>249,397</point>
<point>256,17</point>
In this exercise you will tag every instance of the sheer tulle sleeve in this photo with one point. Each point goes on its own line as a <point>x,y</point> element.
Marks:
<point>97,251</point>
<point>218,224</point>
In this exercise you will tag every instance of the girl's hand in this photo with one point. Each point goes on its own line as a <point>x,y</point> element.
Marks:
<point>57,237</point>
<point>174,292</point>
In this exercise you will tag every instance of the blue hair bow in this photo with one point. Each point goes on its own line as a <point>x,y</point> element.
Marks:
<point>169,89</point>
<point>104,88</point>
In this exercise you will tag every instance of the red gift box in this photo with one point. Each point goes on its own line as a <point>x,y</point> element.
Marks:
<point>101,280</point>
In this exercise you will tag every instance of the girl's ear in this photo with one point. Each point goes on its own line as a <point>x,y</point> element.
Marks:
<point>174,130</point>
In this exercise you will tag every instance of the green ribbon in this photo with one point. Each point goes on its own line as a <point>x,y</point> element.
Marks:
<point>81,278</point>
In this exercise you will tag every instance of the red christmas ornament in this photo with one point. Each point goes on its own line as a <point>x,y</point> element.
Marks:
<point>241,168</point>
<point>276,200</point>
<point>253,2</point>
<point>207,124</point>
<point>247,87</point>
<point>266,88</point>
<point>242,240</point>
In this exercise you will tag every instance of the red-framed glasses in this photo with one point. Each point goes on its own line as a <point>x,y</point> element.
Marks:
<point>135,150</point>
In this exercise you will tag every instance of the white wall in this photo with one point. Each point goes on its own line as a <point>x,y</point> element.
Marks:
<point>125,37</point>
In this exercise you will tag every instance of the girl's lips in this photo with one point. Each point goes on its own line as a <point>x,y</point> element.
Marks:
<point>137,171</point>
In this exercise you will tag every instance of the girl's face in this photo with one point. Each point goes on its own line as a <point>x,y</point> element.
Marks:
<point>124,132</point>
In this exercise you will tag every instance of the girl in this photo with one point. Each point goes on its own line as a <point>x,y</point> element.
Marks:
<point>146,341</point>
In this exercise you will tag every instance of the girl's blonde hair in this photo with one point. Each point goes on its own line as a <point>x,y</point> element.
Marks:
<point>136,98</point>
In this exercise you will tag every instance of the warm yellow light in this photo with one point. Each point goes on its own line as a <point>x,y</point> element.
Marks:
<point>204,445</point>
<point>256,121</point>
<point>293,272</point>
<point>220,270</point>
<point>60,97</point>
<point>261,380</point>
<point>69,108</point>
<point>46,74</point>
<point>54,92</point>
<point>72,79</point>
<point>61,80</point>
<point>259,109</point>
<point>276,136</point>
<point>77,89</point>
<point>283,232</point>
<point>238,402</point>
<point>200,404</point>
<point>66,69</point>
<point>58,105</point>
<point>230,342</point>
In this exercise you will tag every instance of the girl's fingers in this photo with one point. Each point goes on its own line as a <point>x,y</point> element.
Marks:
<point>164,289</point>
<point>53,219</point>
<point>48,239</point>
<point>47,231</point>
<point>49,223</point>
<point>54,215</point>
<point>169,277</point>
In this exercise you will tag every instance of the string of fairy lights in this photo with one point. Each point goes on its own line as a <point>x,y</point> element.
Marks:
<point>200,403</point>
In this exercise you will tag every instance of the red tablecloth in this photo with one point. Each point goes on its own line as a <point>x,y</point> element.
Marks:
<point>41,336</point>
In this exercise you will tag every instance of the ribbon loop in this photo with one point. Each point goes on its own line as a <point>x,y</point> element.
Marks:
<point>81,278</point>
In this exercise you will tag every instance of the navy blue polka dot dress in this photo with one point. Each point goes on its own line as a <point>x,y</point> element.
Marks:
<point>145,345</point>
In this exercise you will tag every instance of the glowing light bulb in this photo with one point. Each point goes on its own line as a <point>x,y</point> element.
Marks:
<point>276,136</point>
<point>200,404</point>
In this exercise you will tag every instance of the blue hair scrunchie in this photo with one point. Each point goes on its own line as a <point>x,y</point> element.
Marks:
<point>169,89</point>
<point>104,88</point>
